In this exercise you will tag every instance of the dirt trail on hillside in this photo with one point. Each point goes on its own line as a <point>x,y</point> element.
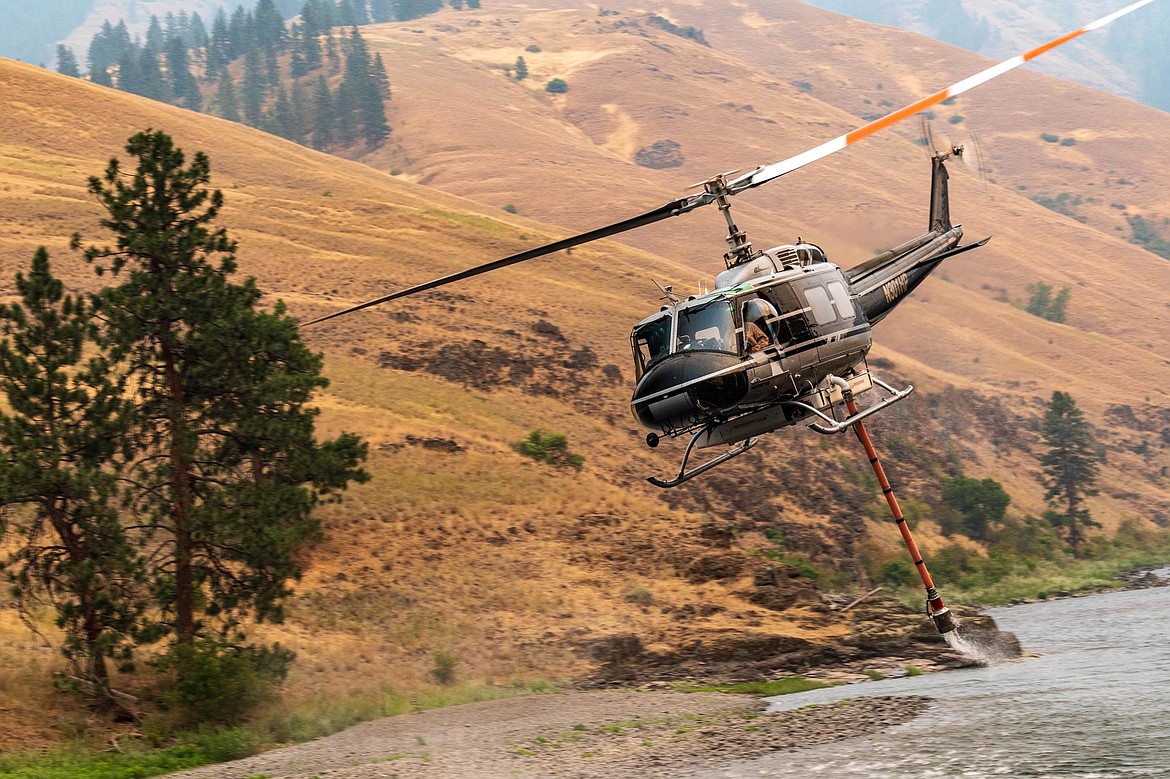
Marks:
<point>596,735</point>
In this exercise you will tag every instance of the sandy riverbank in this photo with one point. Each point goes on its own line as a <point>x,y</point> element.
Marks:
<point>581,735</point>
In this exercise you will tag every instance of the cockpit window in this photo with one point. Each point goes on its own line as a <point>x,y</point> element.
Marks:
<point>651,341</point>
<point>710,327</point>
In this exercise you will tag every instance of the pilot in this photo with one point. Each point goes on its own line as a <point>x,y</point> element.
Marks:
<point>757,340</point>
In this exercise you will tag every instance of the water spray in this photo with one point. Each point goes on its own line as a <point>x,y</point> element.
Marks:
<point>942,617</point>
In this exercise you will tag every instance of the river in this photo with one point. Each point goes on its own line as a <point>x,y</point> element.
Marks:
<point>1092,702</point>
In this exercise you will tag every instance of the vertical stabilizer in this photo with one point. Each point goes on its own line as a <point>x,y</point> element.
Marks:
<point>940,204</point>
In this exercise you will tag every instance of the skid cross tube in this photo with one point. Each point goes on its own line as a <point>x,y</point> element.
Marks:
<point>685,475</point>
<point>935,608</point>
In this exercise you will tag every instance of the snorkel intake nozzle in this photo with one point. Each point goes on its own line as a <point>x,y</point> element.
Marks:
<point>944,620</point>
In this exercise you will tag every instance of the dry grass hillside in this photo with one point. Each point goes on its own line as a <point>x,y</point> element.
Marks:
<point>460,544</point>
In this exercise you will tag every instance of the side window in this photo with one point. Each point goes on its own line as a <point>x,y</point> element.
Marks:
<point>841,300</point>
<point>823,312</point>
<point>792,327</point>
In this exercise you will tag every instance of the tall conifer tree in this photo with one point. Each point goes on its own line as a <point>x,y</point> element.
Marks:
<point>1070,468</point>
<point>227,102</point>
<point>227,469</point>
<point>184,87</point>
<point>254,88</point>
<point>67,62</point>
<point>61,429</point>
<point>324,119</point>
<point>155,37</point>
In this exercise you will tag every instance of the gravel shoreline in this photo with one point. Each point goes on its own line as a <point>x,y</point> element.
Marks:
<point>580,735</point>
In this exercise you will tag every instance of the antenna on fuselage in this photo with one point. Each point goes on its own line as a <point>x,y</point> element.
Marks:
<point>668,293</point>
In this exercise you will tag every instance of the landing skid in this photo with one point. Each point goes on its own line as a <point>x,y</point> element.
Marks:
<point>833,392</point>
<point>832,426</point>
<point>685,475</point>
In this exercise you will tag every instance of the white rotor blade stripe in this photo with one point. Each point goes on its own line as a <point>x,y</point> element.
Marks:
<point>769,172</point>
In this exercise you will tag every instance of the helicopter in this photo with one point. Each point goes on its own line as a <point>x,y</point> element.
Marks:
<point>781,339</point>
<point>784,335</point>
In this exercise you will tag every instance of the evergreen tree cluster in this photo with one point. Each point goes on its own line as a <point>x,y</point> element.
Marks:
<point>158,440</point>
<point>309,81</point>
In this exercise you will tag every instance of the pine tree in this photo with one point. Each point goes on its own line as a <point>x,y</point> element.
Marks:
<point>271,68</point>
<point>184,87</point>
<point>360,96</point>
<point>218,47</point>
<point>302,107</point>
<point>521,69</point>
<point>227,471</point>
<point>101,77</point>
<point>457,4</point>
<point>253,88</point>
<point>155,38</point>
<point>129,74</point>
<point>238,33</point>
<point>197,32</point>
<point>381,77</point>
<point>107,48</point>
<point>151,83</point>
<point>270,32</point>
<point>415,9</point>
<point>227,102</point>
<point>345,107</point>
<point>324,120</point>
<point>60,432</point>
<point>67,62</point>
<point>1070,468</point>
<point>317,16</point>
<point>297,62</point>
<point>312,50</point>
<point>284,121</point>
<point>348,14</point>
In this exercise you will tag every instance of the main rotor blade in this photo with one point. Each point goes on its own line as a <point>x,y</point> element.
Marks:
<point>766,173</point>
<point>665,211</point>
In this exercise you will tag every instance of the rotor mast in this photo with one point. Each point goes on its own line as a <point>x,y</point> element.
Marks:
<point>739,248</point>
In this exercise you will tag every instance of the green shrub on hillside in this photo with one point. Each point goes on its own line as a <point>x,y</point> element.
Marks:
<point>972,505</point>
<point>897,573</point>
<point>1042,303</point>
<point>222,684</point>
<point>557,86</point>
<point>551,448</point>
<point>1144,235</point>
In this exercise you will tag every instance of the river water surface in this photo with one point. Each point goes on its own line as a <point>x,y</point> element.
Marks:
<point>1094,703</point>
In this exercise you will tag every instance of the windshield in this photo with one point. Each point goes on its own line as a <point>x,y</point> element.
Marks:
<point>651,341</point>
<point>710,327</point>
